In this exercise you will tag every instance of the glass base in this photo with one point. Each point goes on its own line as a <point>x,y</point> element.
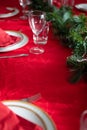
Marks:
<point>36,50</point>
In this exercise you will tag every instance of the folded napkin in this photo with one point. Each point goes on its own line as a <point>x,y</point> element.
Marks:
<point>6,39</point>
<point>10,121</point>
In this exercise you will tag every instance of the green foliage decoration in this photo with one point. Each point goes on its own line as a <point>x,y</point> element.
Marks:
<point>72,30</point>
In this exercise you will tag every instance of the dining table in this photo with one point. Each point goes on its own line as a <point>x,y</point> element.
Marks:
<point>47,74</point>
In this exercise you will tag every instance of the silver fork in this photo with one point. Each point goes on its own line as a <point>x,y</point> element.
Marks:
<point>33,98</point>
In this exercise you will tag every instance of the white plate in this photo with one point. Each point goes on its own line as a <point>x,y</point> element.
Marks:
<point>31,113</point>
<point>23,41</point>
<point>82,6</point>
<point>15,12</point>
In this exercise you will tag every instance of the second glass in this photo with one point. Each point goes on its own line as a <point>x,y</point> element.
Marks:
<point>24,4</point>
<point>39,27</point>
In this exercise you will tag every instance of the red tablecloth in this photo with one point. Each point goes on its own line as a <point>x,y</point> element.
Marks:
<point>46,73</point>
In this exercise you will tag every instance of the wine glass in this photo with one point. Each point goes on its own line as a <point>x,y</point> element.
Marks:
<point>37,21</point>
<point>23,4</point>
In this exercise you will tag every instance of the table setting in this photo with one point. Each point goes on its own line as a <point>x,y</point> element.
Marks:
<point>25,72</point>
<point>28,116</point>
<point>11,40</point>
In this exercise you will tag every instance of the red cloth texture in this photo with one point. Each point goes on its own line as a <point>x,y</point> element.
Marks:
<point>46,73</point>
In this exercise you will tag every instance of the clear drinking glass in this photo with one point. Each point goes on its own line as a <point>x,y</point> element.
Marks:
<point>43,36</point>
<point>23,4</point>
<point>37,21</point>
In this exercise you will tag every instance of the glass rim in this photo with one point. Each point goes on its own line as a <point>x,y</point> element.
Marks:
<point>37,12</point>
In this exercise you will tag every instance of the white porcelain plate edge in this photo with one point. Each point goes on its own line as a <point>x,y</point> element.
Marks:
<point>15,12</point>
<point>82,6</point>
<point>33,113</point>
<point>23,41</point>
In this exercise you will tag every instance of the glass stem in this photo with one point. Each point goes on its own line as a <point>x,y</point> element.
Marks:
<point>23,10</point>
<point>38,45</point>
